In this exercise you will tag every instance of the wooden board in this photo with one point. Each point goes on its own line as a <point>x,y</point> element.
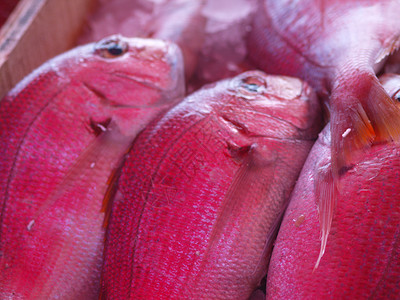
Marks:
<point>36,31</point>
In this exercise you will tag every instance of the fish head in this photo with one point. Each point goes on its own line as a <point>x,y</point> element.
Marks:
<point>278,106</point>
<point>129,72</point>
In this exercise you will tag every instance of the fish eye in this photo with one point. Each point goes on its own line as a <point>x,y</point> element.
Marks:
<point>111,48</point>
<point>396,96</point>
<point>252,85</point>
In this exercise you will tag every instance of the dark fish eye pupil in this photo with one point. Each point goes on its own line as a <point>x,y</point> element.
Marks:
<point>252,87</point>
<point>397,97</point>
<point>111,48</point>
<point>254,84</point>
<point>115,49</point>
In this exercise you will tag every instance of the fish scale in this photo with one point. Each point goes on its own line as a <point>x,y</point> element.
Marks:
<point>199,194</point>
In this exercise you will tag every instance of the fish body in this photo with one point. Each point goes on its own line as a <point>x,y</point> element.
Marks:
<point>203,187</point>
<point>337,46</point>
<point>64,132</point>
<point>362,258</point>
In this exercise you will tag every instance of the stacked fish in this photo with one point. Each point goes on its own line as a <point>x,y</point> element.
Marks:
<point>164,166</point>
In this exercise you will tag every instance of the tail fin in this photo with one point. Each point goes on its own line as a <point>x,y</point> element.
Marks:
<point>362,113</point>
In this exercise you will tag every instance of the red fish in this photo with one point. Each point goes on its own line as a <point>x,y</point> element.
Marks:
<point>336,46</point>
<point>362,259</point>
<point>64,131</point>
<point>210,33</point>
<point>202,189</point>
<point>179,21</point>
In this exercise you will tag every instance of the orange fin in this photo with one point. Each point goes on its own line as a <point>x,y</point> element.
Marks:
<point>362,113</point>
<point>326,194</point>
<point>106,149</point>
<point>356,134</point>
<point>384,114</point>
<point>110,193</point>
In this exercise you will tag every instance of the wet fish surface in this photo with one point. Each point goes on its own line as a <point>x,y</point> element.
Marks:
<point>338,47</point>
<point>202,190</point>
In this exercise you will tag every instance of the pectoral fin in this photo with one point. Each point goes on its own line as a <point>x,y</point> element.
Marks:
<point>103,154</point>
<point>239,198</point>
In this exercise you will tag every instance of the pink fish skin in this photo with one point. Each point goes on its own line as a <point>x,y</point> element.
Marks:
<point>181,22</point>
<point>64,131</point>
<point>203,187</point>
<point>224,53</point>
<point>337,46</point>
<point>362,258</point>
